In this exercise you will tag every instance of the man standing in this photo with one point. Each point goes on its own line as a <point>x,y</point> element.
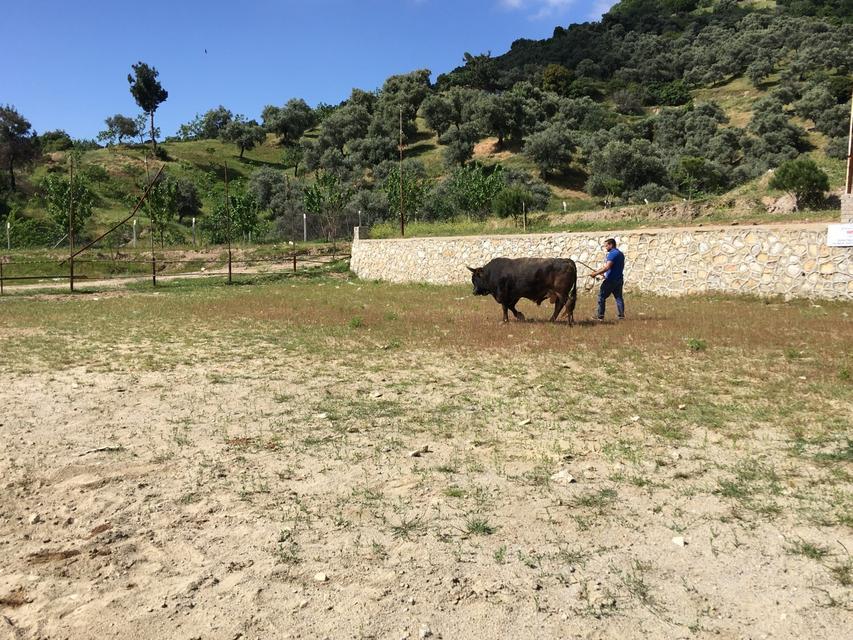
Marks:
<point>612,285</point>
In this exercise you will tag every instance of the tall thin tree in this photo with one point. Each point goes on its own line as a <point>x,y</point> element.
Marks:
<point>147,91</point>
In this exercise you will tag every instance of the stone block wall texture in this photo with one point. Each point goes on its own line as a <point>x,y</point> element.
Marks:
<point>847,207</point>
<point>791,260</point>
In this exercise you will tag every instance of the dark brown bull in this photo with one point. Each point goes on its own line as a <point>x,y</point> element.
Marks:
<point>508,280</point>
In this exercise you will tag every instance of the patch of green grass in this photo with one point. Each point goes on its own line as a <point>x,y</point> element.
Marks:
<point>408,528</point>
<point>809,550</point>
<point>500,554</point>
<point>454,492</point>
<point>598,501</point>
<point>670,431</point>
<point>751,485</point>
<point>477,525</point>
<point>696,344</point>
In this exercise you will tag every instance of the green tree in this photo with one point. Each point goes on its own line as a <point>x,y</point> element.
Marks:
<point>62,196</point>
<point>147,91</point>
<point>245,214</point>
<point>551,149</point>
<point>246,134</point>
<point>693,175</point>
<point>503,115</point>
<point>480,71</point>
<point>453,107</point>
<point>557,78</point>
<point>459,144</point>
<point>160,206</point>
<point>326,199</point>
<point>57,140</point>
<point>18,142</point>
<point>438,112</point>
<point>139,121</point>
<point>208,126</point>
<point>289,122</point>
<point>118,128</point>
<point>803,179</point>
<point>512,202</point>
<point>236,217</point>
<point>633,164</point>
<point>472,189</point>
<point>187,201</point>
<point>401,95</point>
<point>291,157</point>
<point>415,189</point>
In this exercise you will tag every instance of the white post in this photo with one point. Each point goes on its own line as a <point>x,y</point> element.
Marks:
<point>134,233</point>
<point>564,206</point>
<point>193,231</point>
<point>359,217</point>
<point>304,228</point>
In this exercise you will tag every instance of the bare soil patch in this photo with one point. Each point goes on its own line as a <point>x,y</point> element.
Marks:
<point>251,462</point>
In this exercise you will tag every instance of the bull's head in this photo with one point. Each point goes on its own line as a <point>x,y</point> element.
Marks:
<point>480,287</point>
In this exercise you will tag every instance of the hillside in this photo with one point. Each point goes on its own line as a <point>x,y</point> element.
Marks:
<point>657,102</point>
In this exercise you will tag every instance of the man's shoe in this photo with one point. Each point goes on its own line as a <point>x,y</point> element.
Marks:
<point>620,317</point>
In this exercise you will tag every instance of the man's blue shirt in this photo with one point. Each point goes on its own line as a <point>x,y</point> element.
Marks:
<point>614,274</point>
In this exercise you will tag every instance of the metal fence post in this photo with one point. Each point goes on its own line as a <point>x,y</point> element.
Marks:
<point>71,222</point>
<point>1,276</point>
<point>153,269</point>
<point>294,262</point>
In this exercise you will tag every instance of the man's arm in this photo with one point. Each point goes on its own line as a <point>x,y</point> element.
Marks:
<point>604,269</point>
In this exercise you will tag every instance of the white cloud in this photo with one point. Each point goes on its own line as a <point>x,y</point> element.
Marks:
<point>540,9</point>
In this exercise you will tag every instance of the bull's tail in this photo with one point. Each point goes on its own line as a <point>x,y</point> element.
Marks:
<point>571,300</point>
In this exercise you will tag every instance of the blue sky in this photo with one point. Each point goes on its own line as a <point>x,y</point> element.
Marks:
<point>65,64</point>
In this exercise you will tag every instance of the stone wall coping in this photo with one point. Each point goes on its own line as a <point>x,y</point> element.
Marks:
<point>784,226</point>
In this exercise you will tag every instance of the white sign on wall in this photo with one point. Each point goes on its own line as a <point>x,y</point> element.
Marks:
<point>839,235</point>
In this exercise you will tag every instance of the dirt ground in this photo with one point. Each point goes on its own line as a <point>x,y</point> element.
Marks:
<point>372,476</point>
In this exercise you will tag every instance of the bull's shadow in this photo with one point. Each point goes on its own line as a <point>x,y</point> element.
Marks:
<point>579,323</point>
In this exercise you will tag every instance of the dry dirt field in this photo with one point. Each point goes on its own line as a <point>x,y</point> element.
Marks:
<point>329,458</point>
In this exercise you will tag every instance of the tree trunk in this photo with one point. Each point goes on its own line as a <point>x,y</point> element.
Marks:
<point>242,149</point>
<point>12,175</point>
<point>153,141</point>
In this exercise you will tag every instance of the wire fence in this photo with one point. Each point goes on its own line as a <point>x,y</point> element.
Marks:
<point>105,272</point>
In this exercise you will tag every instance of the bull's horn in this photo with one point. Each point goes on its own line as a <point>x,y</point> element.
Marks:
<point>471,269</point>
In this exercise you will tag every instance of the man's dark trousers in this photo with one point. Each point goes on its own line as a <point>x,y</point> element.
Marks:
<point>609,288</point>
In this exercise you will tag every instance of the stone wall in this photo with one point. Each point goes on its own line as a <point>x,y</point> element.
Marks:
<point>790,260</point>
<point>847,207</point>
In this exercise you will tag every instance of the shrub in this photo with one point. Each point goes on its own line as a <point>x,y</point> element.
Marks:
<point>803,179</point>
<point>510,202</point>
<point>95,173</point>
